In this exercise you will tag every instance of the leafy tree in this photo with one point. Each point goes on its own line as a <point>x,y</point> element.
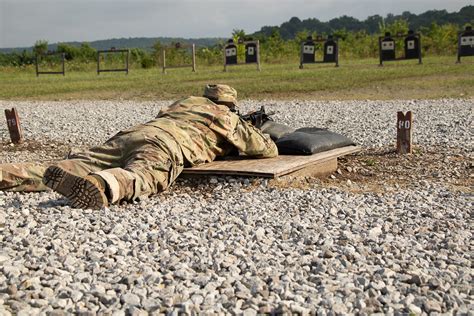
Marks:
<point>289,29</point>
<point>346,22</point>
<point>147,61</point>
<point>69,51</point>
<point>399,26</point>
<point>372,23</point>
<point>40,47</point>
<point>238,35</point>
<point>87,52</point>
<point>209,55</point>
<point>142,58</point>
<point>440,39</point>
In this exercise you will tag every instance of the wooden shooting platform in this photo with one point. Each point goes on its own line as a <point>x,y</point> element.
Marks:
<point>283,165</point>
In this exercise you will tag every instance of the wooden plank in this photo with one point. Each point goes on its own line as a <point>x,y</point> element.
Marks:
<point>50,73</point>
<point>112,70</point>
<point>179,66</point>
<point>315,170</point>
<point>271,167</point>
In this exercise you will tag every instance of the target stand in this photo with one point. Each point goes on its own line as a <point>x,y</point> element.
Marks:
<point>252,53</point>
<point>113,51</point>
<point>309,48</point>
<point>39,57</point>
<point>465,43</point>
<point>412,47</point>
<point>180,47</point>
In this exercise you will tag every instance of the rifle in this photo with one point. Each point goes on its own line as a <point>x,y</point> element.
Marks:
<point>257,118</point>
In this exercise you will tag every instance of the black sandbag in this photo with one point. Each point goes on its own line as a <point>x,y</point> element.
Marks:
<point>311,140</point>
<point>312,130</point>
<point>276,130</point>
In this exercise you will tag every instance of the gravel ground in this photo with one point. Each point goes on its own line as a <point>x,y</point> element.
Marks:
<point>384,234</point>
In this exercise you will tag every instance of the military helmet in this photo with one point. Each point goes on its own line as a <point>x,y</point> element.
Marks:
<point>221,93</point>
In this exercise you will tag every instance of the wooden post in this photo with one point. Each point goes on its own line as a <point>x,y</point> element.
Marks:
<point>98,63</point>
<point>163,53</point>
<point>380,52</point>
<point>194,57</point>
<point>301,55</point>
<point>419,50</point>
<point>128,61</point>
<point>459,48</point>
<point>63,58</point>
<point>225,61</point>
<point>14,126</point>
<point>258,55</point>
<point>404,132</point>
<point>36,66</point>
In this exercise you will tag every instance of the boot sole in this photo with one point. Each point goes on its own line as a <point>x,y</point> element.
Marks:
<point>81,192</point>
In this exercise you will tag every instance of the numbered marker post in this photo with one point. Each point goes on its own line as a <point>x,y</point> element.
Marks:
<point>14,126</point>
<point>404,132</point>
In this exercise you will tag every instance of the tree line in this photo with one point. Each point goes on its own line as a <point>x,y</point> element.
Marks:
<point>371,25</point>
<point>275,43</point>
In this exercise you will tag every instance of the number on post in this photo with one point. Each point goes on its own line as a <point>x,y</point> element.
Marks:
<point>404,132</point>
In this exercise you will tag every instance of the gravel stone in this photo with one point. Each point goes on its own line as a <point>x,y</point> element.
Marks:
<point>431,306</point>
<point>46,292</point>
<point>384,234</point>
<point>130,298</point>
<point>414,309</point>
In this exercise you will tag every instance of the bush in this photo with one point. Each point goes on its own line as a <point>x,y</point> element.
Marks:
<point>147,62</point>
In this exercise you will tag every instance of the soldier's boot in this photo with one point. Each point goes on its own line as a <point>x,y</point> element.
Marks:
<point>83,192</point>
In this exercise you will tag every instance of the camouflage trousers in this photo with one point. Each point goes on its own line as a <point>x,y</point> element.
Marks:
<point>140,161</point>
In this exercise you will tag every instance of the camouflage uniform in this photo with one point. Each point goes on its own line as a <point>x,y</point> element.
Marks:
<point>147,158</point>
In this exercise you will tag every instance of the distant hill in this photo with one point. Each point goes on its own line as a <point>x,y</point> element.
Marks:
<point>289,29</point>
<point>131,42</point>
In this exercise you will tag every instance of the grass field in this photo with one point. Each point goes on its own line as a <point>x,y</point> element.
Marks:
<point>438,77</point>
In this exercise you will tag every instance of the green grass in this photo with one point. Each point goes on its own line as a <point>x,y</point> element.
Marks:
<point>438,77</point>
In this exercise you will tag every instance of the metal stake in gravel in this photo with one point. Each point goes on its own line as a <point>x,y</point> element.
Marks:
<point>404,126</point>
<point>14,126</point>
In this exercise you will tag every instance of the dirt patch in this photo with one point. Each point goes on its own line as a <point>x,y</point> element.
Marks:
<point>380,170</point>
<point>53,149</point>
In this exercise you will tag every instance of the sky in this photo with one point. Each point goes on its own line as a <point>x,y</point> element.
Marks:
<point>23,22</point>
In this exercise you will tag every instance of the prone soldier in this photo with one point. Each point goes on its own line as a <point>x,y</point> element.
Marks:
<point>147,158</point>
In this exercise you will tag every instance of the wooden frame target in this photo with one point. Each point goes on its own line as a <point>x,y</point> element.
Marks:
<point>113,51</point>
<point>49,54</point>
<point>179,46</point>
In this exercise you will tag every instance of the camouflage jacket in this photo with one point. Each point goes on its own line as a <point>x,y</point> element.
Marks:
<point>206,130</point>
